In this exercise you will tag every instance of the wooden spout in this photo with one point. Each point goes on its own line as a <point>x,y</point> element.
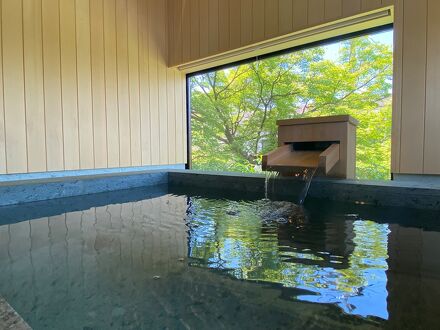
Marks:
<point>329,157</point>
<point>284,159</point>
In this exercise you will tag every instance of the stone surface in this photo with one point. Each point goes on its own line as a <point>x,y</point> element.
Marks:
<point>420,195</point>
<point>380,193</point>
<point>9,318</point>
<point>44,189</point>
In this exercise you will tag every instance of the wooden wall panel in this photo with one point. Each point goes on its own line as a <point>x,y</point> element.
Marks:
<point>52,85</point>
<point>271,18</point>
<point>397,86</point>
<point>246,21</point>
<point>413,87</point>
<point>133,78</point>
<point>13,86</point>
<point>184,119</point>
<point>84,77</point>
<point>186,30</point>
<point>351,7</point>
<point>204,28</point>
<point>175,27</point>
<point>195,28</point>
<point>234,24</point>
<point>432,116</point>
<point>258,23</point>
<point>370,4</point>
<point>333,9</point>
<point>111,83</point>
<point>122,83</point>
<point>300,14</point>
<point>2,111</point>
<point>69,83</point>
<point>162,81</point>
<point>144,86</point>
<point>316,12</point>
<point>214,26</point>
<point>34,92</point>
<point>84,84</point>
<point>171,117</point>
<point>180,109</point>
<point>223,23</point>
<point>98,83</point>
<point>285,14</point>
<point>153,78</point>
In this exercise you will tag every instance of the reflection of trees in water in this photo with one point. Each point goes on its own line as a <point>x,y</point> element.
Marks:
<point>338,259</point>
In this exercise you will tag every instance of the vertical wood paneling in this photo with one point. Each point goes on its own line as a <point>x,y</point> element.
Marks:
<point>161,27</point>
<point>34,93</point>
<point>246,21</point>
<point>175,30</point>
<point>171,116</point>
<point>186,29</point>
<point>52,85</point>
<point>111,83</point>
<point>316,12</point>
<point>144,94</point>
<point>370,4</point>
<point>13,86</point>
<point>351,7</point>
<point>223,21</point>
<point>210,27</point>
<point>69,93</point>
<point>397,86</point>
<point>285,16</point>
<point>432,116</point>
<point>2,110</point>
<point>86,84</point>
<point>204,28</point>
<point>98,83</point>
<point>122,74</point>
<point>258,22</point>
<point>213,26</point>
<point>133,71</point>
<point>184,119</point>
<point>333,9</point>
<point>300,9</point>
<point>153,82</point>
<point>195,28</point>
<point>235,24</point>
<point>180,107</point>
<point>413,87</point>
<point>271,19</point>
<point>84,73</point>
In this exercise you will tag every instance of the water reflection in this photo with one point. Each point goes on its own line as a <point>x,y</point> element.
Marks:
<point>323,266</point>
<point>335,261</point>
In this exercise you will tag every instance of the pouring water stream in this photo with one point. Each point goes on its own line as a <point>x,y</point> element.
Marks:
<point>307,176</point>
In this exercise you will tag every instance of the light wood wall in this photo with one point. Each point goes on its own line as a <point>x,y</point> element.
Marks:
<point>200,28</point>
<point>85,84</point>
<point>417,85</point>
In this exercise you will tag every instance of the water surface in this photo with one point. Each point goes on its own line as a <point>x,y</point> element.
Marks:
<point>201,260</point>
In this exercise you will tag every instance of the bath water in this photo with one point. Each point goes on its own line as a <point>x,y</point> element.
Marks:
<point>208,260</point>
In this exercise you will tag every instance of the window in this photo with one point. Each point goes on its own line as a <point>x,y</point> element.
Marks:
<point>234,110</point>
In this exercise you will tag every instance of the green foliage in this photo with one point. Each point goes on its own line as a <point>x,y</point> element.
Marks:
<point>234,111</point>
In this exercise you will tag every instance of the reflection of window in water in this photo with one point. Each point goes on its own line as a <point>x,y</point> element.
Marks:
<point>340,261</point>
